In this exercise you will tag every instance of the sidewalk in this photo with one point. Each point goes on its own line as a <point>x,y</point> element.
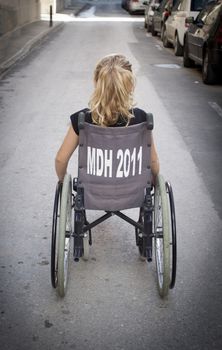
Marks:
<point>15,45</point>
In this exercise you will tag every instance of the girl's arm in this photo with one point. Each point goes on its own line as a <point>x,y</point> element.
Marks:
<point>64,153</point>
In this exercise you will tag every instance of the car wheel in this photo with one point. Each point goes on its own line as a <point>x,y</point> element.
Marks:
<point>153,31</point>
<point>161,32</point>
<point>149,27</point>
<point>166,43</point>
<point>187,62</point>
<point>208,73</point>
<point>178,48</point>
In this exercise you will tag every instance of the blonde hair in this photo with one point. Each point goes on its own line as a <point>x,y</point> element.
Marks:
<point>113,94</point>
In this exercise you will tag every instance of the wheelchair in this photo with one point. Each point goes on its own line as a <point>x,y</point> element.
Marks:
<point>127,156</point>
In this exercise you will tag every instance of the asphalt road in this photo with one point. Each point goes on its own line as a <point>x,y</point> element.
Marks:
<point>112,301</point>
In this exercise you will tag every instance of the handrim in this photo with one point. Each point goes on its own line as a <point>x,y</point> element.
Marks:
<point>161,237</point>
<point>65,230</point>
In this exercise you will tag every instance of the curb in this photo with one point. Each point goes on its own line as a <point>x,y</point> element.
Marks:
<point>27,48</point>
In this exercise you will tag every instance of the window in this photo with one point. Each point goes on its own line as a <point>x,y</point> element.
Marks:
<point>177,5</point>
<point>198,5</point>
<point>183,6</point>
<point>209,14</point>
<point>212,15</point>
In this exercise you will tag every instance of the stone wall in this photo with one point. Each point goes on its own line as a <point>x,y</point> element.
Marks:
<point>16,13</point>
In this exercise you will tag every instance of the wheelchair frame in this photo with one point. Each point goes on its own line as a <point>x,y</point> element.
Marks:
<point>154,230</point>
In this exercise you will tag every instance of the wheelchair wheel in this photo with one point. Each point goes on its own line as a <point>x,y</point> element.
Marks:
<point>161,236</point>
<point>173,239</point>
<point>65,231</point>
<point>54,240</point>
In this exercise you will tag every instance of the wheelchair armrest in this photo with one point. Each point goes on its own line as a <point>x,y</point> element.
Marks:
<point>75,183</point>
<point>149,119</point>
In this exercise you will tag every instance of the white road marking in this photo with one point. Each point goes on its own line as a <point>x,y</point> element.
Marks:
<point>70,18</point>
<point>159,47</point>
<point>174,66</point>
<point>216,107</point>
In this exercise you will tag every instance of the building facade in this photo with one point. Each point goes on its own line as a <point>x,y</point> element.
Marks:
<point>17,13</point>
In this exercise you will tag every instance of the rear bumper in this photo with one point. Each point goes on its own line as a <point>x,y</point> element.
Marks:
<point>134,7</point>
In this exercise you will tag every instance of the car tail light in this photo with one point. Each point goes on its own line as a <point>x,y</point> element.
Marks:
<point>166,14</point>
<point>219,35</point>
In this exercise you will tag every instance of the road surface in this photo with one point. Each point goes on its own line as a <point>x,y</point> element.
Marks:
<point>112,301</point>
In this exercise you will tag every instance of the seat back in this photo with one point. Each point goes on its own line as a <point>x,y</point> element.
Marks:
<point>114,165</point>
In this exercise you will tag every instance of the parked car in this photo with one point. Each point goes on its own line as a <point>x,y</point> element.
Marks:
<point>175,27</point>
<point>161,13</point>
<point>124,4</point>
<point>149,11</point>
<point>133,6</point>
<point>203,42</point>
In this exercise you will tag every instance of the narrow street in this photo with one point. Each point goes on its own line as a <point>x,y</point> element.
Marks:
<point>112,302</point>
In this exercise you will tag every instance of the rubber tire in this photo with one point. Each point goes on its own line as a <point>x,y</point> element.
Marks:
<point>166,43</point>
<point>140,247</point>
<point>149,28</point>
<point>187,61</point>
<point>208,73</point>
<point>65,217</point>
<point>163,280</point>
<point>178,48</point>
<point>54,239</point>
<point>139,240</point>
<point>173,236</point>
<point>85,255</point>
<point>153,31</point>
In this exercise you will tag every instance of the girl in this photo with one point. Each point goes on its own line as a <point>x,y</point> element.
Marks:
<point>111,104</point>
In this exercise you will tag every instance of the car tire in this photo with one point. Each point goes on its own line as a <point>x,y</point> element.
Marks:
<point>149,27</point>
<point>161,32</point>
<point>153,31</point>
<point>187,61</point>
<point>208,73</point>
<point>178,48</point>
<point>166,43</point>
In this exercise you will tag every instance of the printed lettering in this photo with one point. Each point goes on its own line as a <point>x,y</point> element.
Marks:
<point>139,158</point>
<point>133,160</point>
<point>119,172</point>
<point>108,164</point>
<point>126,163</point>
<point>91,160</point>
<point>100,162</point>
